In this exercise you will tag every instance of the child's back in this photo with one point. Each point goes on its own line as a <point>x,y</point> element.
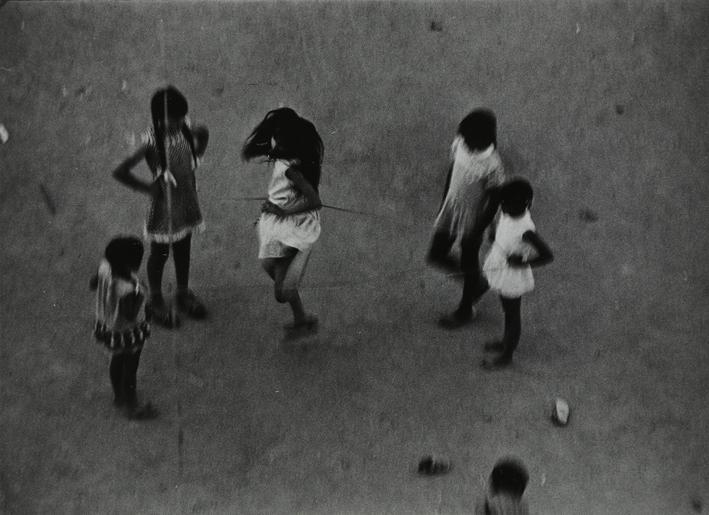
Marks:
<point>120,310</point>
<point>472,174</point>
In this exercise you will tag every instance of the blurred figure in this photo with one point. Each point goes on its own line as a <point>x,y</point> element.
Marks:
<point>506,487</point>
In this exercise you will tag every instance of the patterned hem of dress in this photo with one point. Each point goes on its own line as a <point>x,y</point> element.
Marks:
<point>129,340</point>
<point>175,236</point>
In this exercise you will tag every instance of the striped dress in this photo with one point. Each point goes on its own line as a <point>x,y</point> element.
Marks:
<point>185,213</point>
<point>120,312</point>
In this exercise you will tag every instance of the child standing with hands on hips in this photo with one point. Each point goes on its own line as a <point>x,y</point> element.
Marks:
<point>289,224</point>
<point>121,323</point>
<point>516,249</point>
<point>467,208</point>
<point>172,150</point>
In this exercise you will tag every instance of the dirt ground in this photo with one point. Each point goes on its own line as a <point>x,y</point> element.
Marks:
<point>603,105</point>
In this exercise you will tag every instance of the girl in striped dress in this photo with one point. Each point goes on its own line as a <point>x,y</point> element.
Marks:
<point>172,150</point>
<point>289,224</point>
<point>121,324</point>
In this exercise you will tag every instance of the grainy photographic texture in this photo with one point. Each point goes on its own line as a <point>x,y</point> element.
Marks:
<point>602,105</point>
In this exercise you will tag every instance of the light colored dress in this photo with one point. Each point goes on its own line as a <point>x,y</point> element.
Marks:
<point>278,233</point>
<point>510,281</point>
<point>472,174</point>
<point>120,312</point>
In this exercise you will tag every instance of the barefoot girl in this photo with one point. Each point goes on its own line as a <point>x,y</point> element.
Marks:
<point>289,224</point>
<point>172,150</point>
<point>120,320</point>
<point>516,250</point>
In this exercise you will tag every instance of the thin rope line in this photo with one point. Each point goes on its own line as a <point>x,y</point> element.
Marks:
<point>326,206</point>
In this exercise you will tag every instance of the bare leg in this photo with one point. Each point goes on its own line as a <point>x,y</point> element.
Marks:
<point>510,339</point>
<point>439,253</point>
<point>291,282</point>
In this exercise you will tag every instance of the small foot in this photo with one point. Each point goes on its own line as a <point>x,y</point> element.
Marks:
<point>141,412</point>
<point>188,302</point>
<point>162,314</point>
<point>497,363</point>
<point>457,319</point>
<point>301,328</point>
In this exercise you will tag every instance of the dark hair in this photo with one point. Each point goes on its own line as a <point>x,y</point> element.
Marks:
<point>479,129</point>
<point>176,104</point>
<point>509,475</point>
<point>516,195</point>
<point>296,139</point>
<point>124,254</point>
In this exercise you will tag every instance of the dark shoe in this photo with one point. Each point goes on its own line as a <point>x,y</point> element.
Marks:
<point>160,313</point>
<point>498,363</point>
<point>457,319</point>
<point>301,329</point>
<point>494,346</point>
<point>188,302</point>
<point>141,412</point>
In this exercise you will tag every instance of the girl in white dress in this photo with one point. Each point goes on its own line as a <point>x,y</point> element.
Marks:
<point>508,266</point>
<point>289,224</point>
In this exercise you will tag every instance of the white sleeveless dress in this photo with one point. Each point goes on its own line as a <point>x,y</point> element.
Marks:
<point>276,234</point>
<point>510,281</point>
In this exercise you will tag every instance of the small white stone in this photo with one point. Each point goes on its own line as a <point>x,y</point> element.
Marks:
<point>4,135</point>
<point>560,412</point>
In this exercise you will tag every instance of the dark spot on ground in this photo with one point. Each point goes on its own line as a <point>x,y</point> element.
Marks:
<point>436,26</point>
<point>697,505</point>
<point>619,108</point>
<point>588,215</point>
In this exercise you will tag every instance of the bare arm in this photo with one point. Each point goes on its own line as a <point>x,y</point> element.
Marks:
<point>489,204</point>
<point>544,253</point>
<point>201,139</point>
<point>123,173</point>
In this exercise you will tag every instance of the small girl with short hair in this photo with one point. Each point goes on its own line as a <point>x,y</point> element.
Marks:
<point>516,249</point>
<point>467,208</point>
<point>289,224</point>
<point>121,324</point>
<point>172,150</point>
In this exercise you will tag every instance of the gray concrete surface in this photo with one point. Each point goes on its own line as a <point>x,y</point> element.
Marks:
<point>602,104</point>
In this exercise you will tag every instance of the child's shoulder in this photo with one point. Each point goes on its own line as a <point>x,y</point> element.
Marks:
<point>525,221</point>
